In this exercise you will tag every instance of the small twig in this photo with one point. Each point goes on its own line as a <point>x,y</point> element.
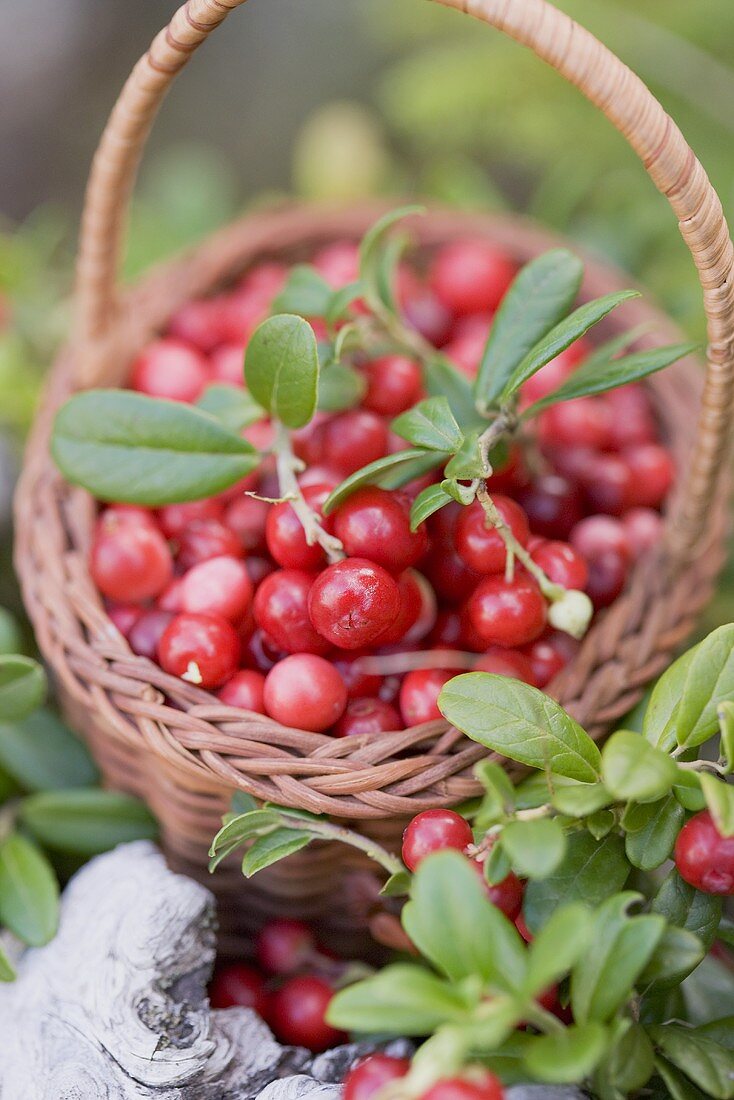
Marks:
<point>327,831</point>
<point>700,765</point>
<point>288,465</point>
<point>550,590</point>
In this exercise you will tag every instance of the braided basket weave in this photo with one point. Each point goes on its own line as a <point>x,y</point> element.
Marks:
<point>177,746</point>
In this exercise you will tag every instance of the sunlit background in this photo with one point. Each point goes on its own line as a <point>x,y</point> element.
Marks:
<point>337,99</point>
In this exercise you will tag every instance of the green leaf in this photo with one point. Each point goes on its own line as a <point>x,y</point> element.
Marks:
<point>631,1061</point>
<point>687,789</point>
<point>273,847</point>
<point>580,800</point>
<point>725,713</point>
<point>244,827</point>
<point>430,424</point>
<point>720,801</point>
<point>709,682</point>
<point>521,723</point>
<point>453,923</point>
<point>567,1056</point>
<point>600,823</point>
<point>498,799</point>
<point>594,377</point>
<point>720,1031</point>
<point>591,872</point>
<point>242,802</point>
<point>656,827</point>
<point>383,472</point>
<point>398,885</point>
<point>341,300</point>
<point>557,947</point>
<point>232,406</point>
<point>86,822</point>
<point>620,948</point>
<point>686,907</point>
<point>10,637</point>
<point>124,446</point>
<point>22,687</point>
<point>467,463</point>
<point>540,295</point>
<point>305,293</point>
<point>676,956</point>
<point>402,999</point>
<point>697,1056</point>
<point>562,336</point>
<point>677,1085</point>
<point>282,368</point>
<point>708,992</point>
<point>373,244</point>
<point>29,893</point>
<point>633,769</point>
<point>40,753</point>
<point>535,848</point>
<point>497,865</point>
<point>659,722</point>
<point>442,379</point>
<point>7,971</point>
<point>429,500</point>
<point>340,387</point>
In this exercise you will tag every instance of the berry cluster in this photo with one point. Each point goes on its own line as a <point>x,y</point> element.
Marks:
<point>232,594</point>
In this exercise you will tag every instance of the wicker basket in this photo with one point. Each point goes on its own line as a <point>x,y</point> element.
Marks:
<point>178,747</point>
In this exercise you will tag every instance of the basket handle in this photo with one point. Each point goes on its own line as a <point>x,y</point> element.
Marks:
<point>583,61</point>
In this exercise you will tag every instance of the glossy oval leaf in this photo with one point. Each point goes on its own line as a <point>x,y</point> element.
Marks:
<point>699,1057</point>
<point>7,971</point>
<point>306,293</point>
<point>535,848</point>
<point>124,446</point>
<point>23,687</point>
<point>282,368</point>
<point>232,406</point>
<point>709,682</point>
<point>340,387</point>
<point>658,725</point>
<point>429,500</point>
<point>442,379</point>
<point>402,999</point>
<point>521,723</point>
<point>686,907</point>
<point>431,424</point>
<point>388,472</point>
<point>558,946</point>
<point>271,848</point>
<point>634,770</point>
<point>567,1056</point>
<point>652,830</point>
<point>591,871</point>
<point>29,892</point>
<point>675,957</point>
<point>41,753</point>
<point>86,822</point>
<point>541,294</point>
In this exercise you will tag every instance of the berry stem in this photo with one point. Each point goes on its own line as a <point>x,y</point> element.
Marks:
<point>288,466</point>
<point>701,765</point>
<point>327,831</point>
<point>515,549</point>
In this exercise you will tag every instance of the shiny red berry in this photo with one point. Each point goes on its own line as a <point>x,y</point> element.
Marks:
<point>372,1074</point>
<point>353,602</point>
<point>239,986</point>
<point>219,586</point>
<point>359,684</point>
<point>306,692</point>
<point>480,1084</point>
<point>479,544</point>
<point>298,1014</point>
<point>705,858</point>
<point>146,633</point>
<point>644,530</point>
<point>394,384</point>
<point>470,276</point>
<point>130,562</point>
<point>124,616</point>
<point>286,538</point>
<point>419,695</point>
<point>353,439</point>
<point>284,946</point>
<point>507,895</point>
<point>607,577</point>
<point>204,539</point>
<point>367,717</point>
<point>375,524</point>
<point>170,369</point>
<point>417,610</point>
<point>200,649</point>
<point>432,831</point>
<point>175,518</point>
<point>585,422</point>
<point>552,504</point>
<point>507,613</point>
<point>198,323</point>
<point>596,535</point>
<point>608,484</point>
<point>550,654</point>
<point>226,365</point>
<point>561,564</point>
<point>507,662</point>
<point>244,691</point>
<point>281,610</point>
<point>247,516</point>
<point>653,472</point>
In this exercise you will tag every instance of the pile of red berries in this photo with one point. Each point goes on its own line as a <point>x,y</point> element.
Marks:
<point>375,1072</point>
<point>227,594</point>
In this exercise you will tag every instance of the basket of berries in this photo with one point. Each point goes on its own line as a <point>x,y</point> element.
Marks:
<point>290,485</point>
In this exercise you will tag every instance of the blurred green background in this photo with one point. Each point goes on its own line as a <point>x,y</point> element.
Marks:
<point>338,99</point>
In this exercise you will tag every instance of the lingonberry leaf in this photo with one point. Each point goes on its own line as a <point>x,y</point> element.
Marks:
<point>41,753</point>
<point>497,865</point>
<point>634,770</point>
<point>341,300</point>
<point>10,638</point>
<point>521,723</point>
<point>566,1056</point>
<point>22,687</point>
<point>29,892</point>
<point>629,1063</point>
<point>591,872</point>
<point>124,446</point>
<point>467,463</point>
<point>709,682</point>
<point>541,294</point>
<point>389,472</point>
<point>430,424</point>
<point>557,947</point>
<point>658,725</point>
<point>451,921</point>
<point>305,293</point>
<point>535,847</point>
<point>232,406</point>
<point>7,972</point>
<point>651,831</point>
<point>676,1086</point>
<point>499,795</point>
<point>686,907</point>
<point>397,886</point>
<point>442,379</point>
<point>593,377</point>
<point>580,799</point>
<point>601,823</point>
<point>244,827</point>
<point>402,999</point>
<point>725,713</point>
<point>273,847</point>
<point>462,494</point>
<point>242,802</point>
<point>687,789</point>
<point>620,947</point>
<point>340,387</point>
<point>720,801</point>
<point>675,957</point>
<point>721,1031</point>
<point>429,500</point>
<point>86,822</point>
<point>697,1056</point>
<point>371,250</point>
<point>561,337</point>
<point>282,369</point>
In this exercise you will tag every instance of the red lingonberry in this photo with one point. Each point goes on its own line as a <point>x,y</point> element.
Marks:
<point>353,439</point>
<point>338,263</point>
<point>552,505</point>
<point>644,529</point>
<point>470,276</point>
<point>449,575</point>
<point>521,925</point>
<point>411,607</point>
<point>394,383</point>
<point>244,690</point>
<point>373,1073</point>
<point>607,484</point>
<point>226,365</point>
<point>429,317</point>
<point>298,1014</point>
<point>260,652</point>
<point>259,568</point>
<point>130,562</point>
<point>204,539</point>
<point>284,946</point>
<point>607,576</point>
<point>305,691</point>
<point>170,369</point>
<point>175,518</point>
<point>508,613</point>
<point>549,654</point>
<point>219,586</point>
<point>481,545</point>
<point>584,422</point>
<point>286,538</point>
<point>124,616</point>
<point>507,662</point>
<point>705,858</point>
<point>146,634</point>
<point>477,1084</point>
<point>419,695</point>
<point>200,649</point>
<point>561,564</point>
<point>507,895</point>
<point>367,717</point>
<point>510,476</point>
<point>170,597</point>
<point>198,323</point>
<point>596,535</point>
<point>652,470</point>
<point>117,514</point>
<point>432,831</point>
<point>247,516</point>
<point>353,602</point>
<point>632,419</point>
<point>375,524</point>
<point>239,986</point>
<point>447,631</point>
<point>281,610</point>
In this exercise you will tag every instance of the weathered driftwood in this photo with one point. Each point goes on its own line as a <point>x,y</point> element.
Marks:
<point>115,1008</point>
